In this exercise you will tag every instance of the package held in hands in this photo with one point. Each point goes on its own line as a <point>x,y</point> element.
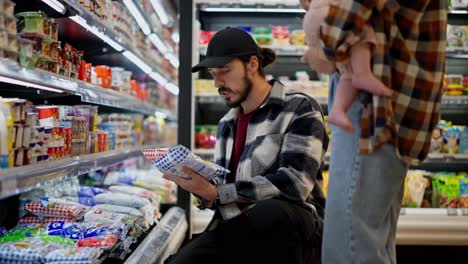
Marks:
<point>172,161</point>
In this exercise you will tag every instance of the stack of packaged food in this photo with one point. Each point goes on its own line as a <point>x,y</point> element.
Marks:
<point>8,38</point>
<point>457,38</point>
<point>448,138</point>
<point>456,84</point>
<point>275,35</point>
<point>33,134</point>
<point>66,222</point>
<point>436,190</point>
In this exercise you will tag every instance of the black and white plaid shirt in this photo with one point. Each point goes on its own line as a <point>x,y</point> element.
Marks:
<point>284,150</point>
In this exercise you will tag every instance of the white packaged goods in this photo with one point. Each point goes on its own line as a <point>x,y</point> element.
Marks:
<point>104,217</point>
<point>133,191</point>
<point>118,209</point>
<point>121,199</point>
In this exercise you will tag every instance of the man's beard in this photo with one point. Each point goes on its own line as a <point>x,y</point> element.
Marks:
<point>247,88</point>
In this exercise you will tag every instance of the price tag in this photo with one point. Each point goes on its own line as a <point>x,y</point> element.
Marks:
<point>465,212</point>
<point>8,187</point>
<point>402,211</point>
<point>452,212</point>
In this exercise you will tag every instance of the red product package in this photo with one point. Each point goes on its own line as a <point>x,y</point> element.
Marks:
<point>35,220</point>
<point>104,242</point>
<point>205,37</point>
<point>56,210</point>
<point>155,154</point>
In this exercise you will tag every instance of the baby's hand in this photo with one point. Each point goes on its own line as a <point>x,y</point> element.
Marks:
<point>317,61</point>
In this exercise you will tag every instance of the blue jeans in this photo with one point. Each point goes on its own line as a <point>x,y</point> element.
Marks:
<point>364,197</point>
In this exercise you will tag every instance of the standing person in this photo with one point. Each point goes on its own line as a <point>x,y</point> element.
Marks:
<point>368,167</point>
<point>269,209</point>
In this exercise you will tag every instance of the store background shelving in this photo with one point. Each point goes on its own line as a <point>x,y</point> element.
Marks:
<point>101,45</point>
<point>417,226</point>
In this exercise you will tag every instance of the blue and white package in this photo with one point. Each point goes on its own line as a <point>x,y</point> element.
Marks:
<point>89,191</point>
<point>83,255</point>
<point>64,229</point>
<point>180,156</point>
<point>100,231</point>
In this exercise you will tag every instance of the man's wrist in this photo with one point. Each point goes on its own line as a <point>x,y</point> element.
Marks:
<point>213,195</point>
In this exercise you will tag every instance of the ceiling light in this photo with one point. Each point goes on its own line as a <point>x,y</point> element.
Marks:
<point>142,65</point>
<point>158,43</point>
<point>59,7</point>
<point>158,78</point>
<point>82,22</point>
<point>175,37</point>
<point>172,88</point>
<point>253,10</point>
<point>160,11</point>
<point>28,84</point>
<point>140,19</point>
<point>160,115</point>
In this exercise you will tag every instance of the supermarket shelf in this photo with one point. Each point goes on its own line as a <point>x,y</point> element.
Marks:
<point>147,28</point>
<point>215,98</point>
<point>436,162</point>
<point>11,72</point>
<point>289,50</point>
<point>432,226</point>
<point>444,162</point>
<point>454,100</point>
<point>163,240</point>
<point>458,12</point>
<point>255,8</point>
<point>93,24</point>
<point>204,152</point>
<point>93,21</point>
<point>22,179</point>
<point>457,54</point>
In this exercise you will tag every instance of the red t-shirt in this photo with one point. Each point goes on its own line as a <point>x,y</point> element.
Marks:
<point>239,143</point>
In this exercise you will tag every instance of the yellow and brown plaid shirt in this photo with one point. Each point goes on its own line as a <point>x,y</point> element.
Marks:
<point>409,57</point>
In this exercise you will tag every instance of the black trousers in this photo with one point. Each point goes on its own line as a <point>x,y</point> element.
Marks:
<point>273,231</point>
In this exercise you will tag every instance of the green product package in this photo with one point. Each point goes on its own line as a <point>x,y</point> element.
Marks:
<point>32,22</point>
<point>449,191</point>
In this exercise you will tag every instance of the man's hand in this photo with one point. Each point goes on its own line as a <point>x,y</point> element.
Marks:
<point>198,184</point>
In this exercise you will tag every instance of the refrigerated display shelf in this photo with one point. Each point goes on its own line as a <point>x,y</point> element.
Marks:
<point>270,8</point>
<point>296,50</point>
<point>457,54</point>
<point>253,8</point>
<point>454,100</point>
<point>444,162</point>
<point>93,24</point>
<point>290,50</point>
<point>148,29</point>
<point>435,162</point>
<point>163,240</point>
<point>204,152</point>
<point>101,29</point>
<point>433,226</point>
<point>13,73</point>
<point>449,103</point>
<point>458,12</point>
<point>22,179</point>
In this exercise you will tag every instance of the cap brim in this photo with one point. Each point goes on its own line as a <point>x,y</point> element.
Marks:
<point>212,62</point>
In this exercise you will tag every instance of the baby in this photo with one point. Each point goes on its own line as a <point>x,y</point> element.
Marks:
<point>355,73</point>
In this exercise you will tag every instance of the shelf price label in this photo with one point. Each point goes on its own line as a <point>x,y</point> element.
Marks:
<point>464,211</point>
<point>452,212</point>
<point>8,187</point>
